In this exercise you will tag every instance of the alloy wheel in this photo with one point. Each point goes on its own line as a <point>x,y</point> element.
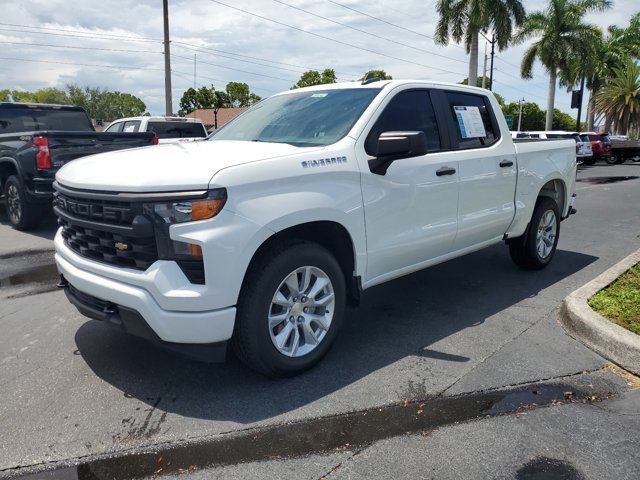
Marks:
<point>301,311</point>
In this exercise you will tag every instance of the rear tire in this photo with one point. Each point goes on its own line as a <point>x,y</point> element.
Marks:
<point>22,214</point>
<point>610,160</point>
<point>535,249</point>
<point>265,338</point>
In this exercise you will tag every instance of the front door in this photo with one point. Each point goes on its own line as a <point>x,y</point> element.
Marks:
<point>411,211</point>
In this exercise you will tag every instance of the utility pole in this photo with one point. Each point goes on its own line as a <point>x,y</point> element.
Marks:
<point>520,114</point>
<point>493,45</point>
<point>167,61</point>
<point>484,68</point>
<point>194,71</point>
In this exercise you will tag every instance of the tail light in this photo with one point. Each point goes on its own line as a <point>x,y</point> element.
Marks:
<point>43,156</point>
<point>577,149</point>
<point>156,140</point>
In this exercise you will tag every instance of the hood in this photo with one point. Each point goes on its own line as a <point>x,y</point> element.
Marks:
<point>168,167</point>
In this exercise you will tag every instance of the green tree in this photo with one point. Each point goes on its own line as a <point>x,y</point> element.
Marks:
<point>313,77</point>
<point>487,82</point>
<point>619,99</point>
<point>239,95</point>
<point>5,95</point>
<point>381,74</point>
<point>561,36</point>
<point>464,20</point>
<point>562,121</point>
<point>532,115</point>
<point>102,104</point>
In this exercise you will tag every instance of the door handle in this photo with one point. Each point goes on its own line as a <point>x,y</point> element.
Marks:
<point>506,163</point>
<point>445,171</point>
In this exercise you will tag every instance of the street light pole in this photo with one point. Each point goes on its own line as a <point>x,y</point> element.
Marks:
<point>520,114</point>
<point>484,67</point>
<point>493,45</point>
<point>167,61</point>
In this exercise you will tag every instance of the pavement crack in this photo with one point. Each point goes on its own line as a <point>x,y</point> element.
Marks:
<point>339,465</point>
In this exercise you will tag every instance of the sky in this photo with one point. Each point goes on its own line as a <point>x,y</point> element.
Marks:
<point>82,43</point>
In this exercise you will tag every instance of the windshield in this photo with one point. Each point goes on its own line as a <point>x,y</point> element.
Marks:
<point>33,119</point>
<point>312,118</point>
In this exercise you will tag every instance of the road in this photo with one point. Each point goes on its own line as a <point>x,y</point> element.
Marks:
<point>73,390</point>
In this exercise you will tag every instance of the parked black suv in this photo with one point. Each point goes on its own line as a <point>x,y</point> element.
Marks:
<point>35,141</point>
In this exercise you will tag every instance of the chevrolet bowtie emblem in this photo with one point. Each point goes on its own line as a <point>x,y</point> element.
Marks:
<point>121,246</point>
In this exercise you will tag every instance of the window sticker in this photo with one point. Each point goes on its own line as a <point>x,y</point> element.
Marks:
<point>470,122</point>
<point>129,129</point>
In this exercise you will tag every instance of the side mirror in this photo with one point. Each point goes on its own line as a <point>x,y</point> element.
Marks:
<point>394,146</point>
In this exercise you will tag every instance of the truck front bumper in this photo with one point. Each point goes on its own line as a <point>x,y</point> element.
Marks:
<point>166,326</point>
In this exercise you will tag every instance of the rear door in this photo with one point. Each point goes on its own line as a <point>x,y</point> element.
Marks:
<point>411,211</point>
<point>487,168</point>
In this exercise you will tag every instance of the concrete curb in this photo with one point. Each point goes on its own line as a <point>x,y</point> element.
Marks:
<point>596,332</point>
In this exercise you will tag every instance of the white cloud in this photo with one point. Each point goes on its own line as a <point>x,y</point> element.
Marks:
<point>207,24</point>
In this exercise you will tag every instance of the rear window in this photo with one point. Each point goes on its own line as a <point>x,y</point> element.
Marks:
<point>13,120</point>
<point>585,138</point>
<point>177,129</point>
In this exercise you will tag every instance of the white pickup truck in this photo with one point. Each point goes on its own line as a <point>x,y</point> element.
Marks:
<point>167,129</point>
<point>262,234</point>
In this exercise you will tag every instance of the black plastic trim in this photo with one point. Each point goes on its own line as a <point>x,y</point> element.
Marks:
<point>130,321</point>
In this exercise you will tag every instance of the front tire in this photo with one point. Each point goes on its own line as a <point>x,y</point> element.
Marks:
<point>536,248</point>
<point>22,214</point>
<point>290,309</point>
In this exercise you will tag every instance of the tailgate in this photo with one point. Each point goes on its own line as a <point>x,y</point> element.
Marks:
<point>67,146</point>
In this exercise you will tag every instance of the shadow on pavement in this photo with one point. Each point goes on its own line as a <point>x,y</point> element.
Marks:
<point>396,320</point>
<point>46,229</point>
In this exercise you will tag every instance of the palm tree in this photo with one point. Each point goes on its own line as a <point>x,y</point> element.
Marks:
<point>619,99</point>
<point>466,19</point>
<point>562,35</point>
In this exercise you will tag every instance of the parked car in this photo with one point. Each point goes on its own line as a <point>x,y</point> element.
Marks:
<point>168,129</point>
<point>262,234</point>
<point>601,145</point>
<point>35,141</point>
<point>584,152</point>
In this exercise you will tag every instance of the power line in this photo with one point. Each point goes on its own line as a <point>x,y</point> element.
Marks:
<point>79,48</point>
<point>368,33</point>
<point>117,67</point>
<point>105,36</point>
<point>238,70</point>
<point>277,22</point>
<point>387,22</point>
<point>505,85</point>
<point>91,34</point>
<point>508,63</point>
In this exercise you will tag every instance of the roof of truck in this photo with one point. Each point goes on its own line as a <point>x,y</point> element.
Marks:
<point>51,106</point>
<point>384,83</point>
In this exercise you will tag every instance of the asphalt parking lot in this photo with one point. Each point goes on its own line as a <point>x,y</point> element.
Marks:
<point>74,390</point>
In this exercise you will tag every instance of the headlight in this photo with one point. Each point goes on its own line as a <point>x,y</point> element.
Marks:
<point>165,214</point>
<point>188,210</point>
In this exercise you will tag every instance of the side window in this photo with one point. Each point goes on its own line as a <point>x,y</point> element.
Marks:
<point>408,111</point>
<point>115,128</point>
<point>473,120</point>
<point>131,126</point>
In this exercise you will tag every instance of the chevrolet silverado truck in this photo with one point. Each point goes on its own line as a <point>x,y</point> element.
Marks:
<point>35,141</point>
<point>261,235</point>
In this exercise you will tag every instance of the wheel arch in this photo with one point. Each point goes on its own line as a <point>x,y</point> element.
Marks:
<point>555,189</point>
<point>332,235</point>
<point>8,167</point>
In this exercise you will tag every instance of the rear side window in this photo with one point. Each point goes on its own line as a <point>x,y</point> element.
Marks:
<point>408,111</point>
<point>473,118</point>
<point>177,129</point>
<point>27,119</point>
<point>115,128</point>
<point>131,126</point>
